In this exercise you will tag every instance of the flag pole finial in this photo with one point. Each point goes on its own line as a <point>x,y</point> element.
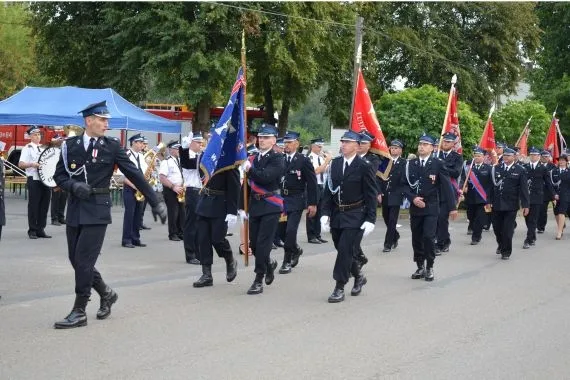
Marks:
<point>491,110</point>
<point>454,79</point>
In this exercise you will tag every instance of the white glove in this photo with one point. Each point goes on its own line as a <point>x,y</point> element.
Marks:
<point>367,227</point>
<point>242,214</point>
<point>186,142</point>
<point>231,220</point>
<point>190,136</point>
<point>245,165</point>
<point>325,227</point>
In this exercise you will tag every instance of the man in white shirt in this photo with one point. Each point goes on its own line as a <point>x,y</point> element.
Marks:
<point>170,174</point>
<point>133,208</point>
<point>190,163</point>
<point>38,193</point>
<point>320,162</point>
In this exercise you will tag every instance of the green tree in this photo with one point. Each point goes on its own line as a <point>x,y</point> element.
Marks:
<point>485,44</point>
<point>550,78</point>
<point>311,118</point>
<point>407,114</point>
<point>17,59</point>
<point>510,120</point>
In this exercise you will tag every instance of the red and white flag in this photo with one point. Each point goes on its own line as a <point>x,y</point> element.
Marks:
<point>452,122</point>
<point>522,142</point>
<point>551,141</point>
<point>488,138</point>
<point>364,118</point>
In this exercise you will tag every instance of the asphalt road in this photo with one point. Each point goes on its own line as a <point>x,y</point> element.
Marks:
<point>482,318</point>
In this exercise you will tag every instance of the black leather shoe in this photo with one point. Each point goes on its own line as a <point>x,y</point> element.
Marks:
<point>498,251</point>
<point>296,256</point>
<point>445,248</point>
<point>203,281</point>
<point>526,245</point>
<point>469,232</point>
<point>255,288</point>
<point>322,240</point>
<point>540,231</point>
<point>429,274</point>
<point>279,243</point>
<point>43,235</point>
<point>387,249</point>
<point>143,227</point>
<point>474,242</point>
<point>395,244</point>
<point>128,245</point>
<point>139,244</point>
<point>174,238</point>
<point>336,296</point>
<point>504,257</point>
<point>106,302</point>
<point>231,270</point>
<point>285,268</point>
<point>270,276</point>
<point>532,242</point>
<point>32,236</point>
<point>55,223</point>
<point>62,221</point>
<point>77,318</point>
<point>359,282</point>
<point>420,273</point>
<point>193,261</point>
<point>314,241</point>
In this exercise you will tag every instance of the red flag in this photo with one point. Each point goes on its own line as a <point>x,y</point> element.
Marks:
<point>551,141</point>
<point>488,139</point>
<point>452,122</point>
<point>364,118</point>
<point>522,143</point>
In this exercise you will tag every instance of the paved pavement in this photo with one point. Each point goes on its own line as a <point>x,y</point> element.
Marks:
<point>482,318</point>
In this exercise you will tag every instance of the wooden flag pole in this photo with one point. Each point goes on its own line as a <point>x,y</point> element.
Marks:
<point>523,131</point>
<point>357,64</point>
<point>448,109</point>
<point>245,230</point>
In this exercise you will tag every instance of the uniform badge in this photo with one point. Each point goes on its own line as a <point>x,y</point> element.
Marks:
<point>73,166</point>
<point>432,177</point>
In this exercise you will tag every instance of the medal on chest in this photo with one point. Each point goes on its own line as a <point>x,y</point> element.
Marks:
<point>94,155</point>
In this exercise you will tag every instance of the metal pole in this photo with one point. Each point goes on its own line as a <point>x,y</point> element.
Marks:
<point>357,64</point>
<point>245,235</point>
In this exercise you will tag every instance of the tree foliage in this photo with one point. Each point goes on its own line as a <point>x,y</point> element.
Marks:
<point>550,79</point>
<point>407,114</point>
<point>510,120</point>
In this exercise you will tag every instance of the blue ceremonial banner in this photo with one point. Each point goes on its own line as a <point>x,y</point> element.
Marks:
<point>226,147</point>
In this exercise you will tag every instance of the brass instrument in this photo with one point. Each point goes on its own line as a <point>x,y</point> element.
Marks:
<point>72,130</point>
<point>182,196</point>
<point>150,159</point>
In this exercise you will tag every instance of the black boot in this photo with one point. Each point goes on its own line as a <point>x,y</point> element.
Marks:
<point>295,256</point>
<point>359,282</point>
<point>108,298</point>
<point>420,273</point>
<point>286,266</point>
<point>257,286</point>
<point>206,279</point>
<point>337,294</point>
<point>191,258</point>
<point>77,317</point>
<point>231,268</point>
<point>270,275</point>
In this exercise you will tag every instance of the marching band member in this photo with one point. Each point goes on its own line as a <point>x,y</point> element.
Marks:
<point>38,193</point>
<point>320,162</point>
<point>84,170</point>
<point>264,173</point>
<point>349,212</point>
<point>58,196</point>
<point>171,178</point>
<point>426,180</point>
<point>133,208</point>
<point>560,176</point>
<point>477,194</point>
<point>510,192</point>
<point>190,164</point>
<point>540,186</point>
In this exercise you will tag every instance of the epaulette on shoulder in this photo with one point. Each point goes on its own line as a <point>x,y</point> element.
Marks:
<point>111,140</point>
<point>337,158</point>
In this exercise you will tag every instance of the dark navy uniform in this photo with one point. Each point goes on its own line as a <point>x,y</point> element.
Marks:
<point>265,207</point>
<point>299,189</point>
<point>510,191</point>
<point>2,205</point>
<point>543,212</point>
<point>86,174</point>
<point>428,181</point>
<point>477,200</point>
<point>217,200</point>
<point>349,200</point>
<point>392,190</point>
<point>313,225</point>
<point>561,180</point>
<point>540,186</point>
<point>453,163</point>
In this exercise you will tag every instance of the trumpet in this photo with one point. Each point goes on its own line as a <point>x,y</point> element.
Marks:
<point>181,197</point>
<point>150,159</point>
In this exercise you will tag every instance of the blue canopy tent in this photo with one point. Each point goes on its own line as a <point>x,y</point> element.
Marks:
<point>61,106</point>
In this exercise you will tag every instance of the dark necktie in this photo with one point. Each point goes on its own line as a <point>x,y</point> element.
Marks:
<point>91,145</point>
<point>138,161</point>
<point>288,160</point>
<point>422,163</point>
<point>345,167</point>
<point>321,175</point>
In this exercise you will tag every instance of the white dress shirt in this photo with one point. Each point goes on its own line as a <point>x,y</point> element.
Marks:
<point>192,176</point>
<point>31,153</point>
<point>170,168</point>
<point>317,161</point>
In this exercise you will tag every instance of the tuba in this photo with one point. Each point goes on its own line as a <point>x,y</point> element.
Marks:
<point>72,130</point>
<point>150,159</point>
